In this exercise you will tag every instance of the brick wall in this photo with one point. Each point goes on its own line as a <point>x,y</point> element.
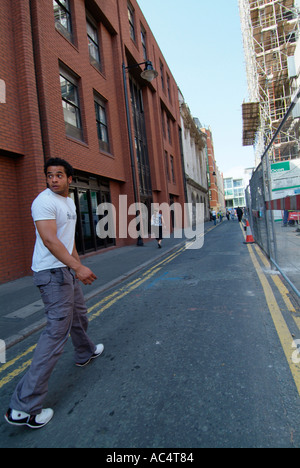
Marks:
<point>21,153</point>
<point>32,123</point>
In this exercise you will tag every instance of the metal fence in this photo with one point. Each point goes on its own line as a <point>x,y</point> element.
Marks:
<point>273,198</point>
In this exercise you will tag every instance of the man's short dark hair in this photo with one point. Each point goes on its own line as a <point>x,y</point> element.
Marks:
<point>59,162</point>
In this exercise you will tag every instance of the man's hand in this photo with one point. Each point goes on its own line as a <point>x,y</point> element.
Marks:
<point>85,275</point>
<point>48,232</point>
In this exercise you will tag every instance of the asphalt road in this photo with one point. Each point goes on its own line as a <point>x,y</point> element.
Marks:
<point>192,359</point>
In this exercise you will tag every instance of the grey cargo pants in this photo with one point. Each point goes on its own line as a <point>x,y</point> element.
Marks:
<point>66,315</point>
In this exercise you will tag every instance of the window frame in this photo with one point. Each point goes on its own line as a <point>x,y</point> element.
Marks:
<point>101,103</point>
<point>73,131</point>
<point>131,20</point>
<point>96,62</point>
<point>169,87</point>
<point>169,129</point>
<point>167,166</point>
<point>66,9</point>
<point>144,42</point>
<point>162,74</point>
<point>172,161</point>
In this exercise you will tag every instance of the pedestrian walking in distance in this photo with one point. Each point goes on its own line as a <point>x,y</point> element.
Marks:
<point>214,216</point>
<point>57,272</point>
<point>240,214</point>
<point>157,223</point>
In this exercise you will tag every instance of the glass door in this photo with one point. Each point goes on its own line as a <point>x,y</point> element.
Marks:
<point>87,225</point>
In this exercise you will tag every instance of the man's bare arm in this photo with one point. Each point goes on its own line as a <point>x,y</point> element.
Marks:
<point>48,231</point>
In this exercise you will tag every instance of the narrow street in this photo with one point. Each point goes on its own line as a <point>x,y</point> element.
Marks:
<point>193,358</point>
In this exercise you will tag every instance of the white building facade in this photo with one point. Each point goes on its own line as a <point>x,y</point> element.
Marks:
<point>235,184</point>
<point>195,158</point>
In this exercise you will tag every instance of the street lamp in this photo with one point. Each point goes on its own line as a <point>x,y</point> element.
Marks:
<point>149,74</point>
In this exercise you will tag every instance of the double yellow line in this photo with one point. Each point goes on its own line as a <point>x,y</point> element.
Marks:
<point>94,312</point>
<point>285,336</point>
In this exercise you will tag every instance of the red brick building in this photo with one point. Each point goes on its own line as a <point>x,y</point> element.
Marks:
<point>61,67</point>
<point>216,182</point>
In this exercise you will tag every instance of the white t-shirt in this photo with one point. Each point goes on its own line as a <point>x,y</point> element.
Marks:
<point>156,220</point>
<point>48,206</point>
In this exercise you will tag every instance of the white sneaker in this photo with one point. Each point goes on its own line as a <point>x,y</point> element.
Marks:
<point>98,351</point>
<point>19,418</point>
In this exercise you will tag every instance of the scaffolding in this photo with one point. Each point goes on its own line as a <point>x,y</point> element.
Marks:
<point>270,30</point>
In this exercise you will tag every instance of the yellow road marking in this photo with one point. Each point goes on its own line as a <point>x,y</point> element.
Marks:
<point>106,303</point>
<point>125,293</point>
<point>281,288</point>
<point>14,374</point>
<point>285,292</point>
<point>281,327</point>
<point>10,363</point>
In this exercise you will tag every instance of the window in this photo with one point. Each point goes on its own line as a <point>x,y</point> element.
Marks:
<point>238,183</point>
<point>93,42</point>
<point>238,192</point>
<point>62,16</point>
<point>169,87</point>
<point>144,44</point>
<point>167,166</point>
<point>239,202</point>
<point>169,130</point>
<point>228,193</point>
<point>163,122</point>
<point>162,73</point>
<point>140,139</point>
<point>172,169</point>
<point>101,121</point>
<point>228,183</point>
<point>70,103</point>
<point>131,21</point>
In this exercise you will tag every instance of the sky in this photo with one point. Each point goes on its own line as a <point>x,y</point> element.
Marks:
<point>201,41</point>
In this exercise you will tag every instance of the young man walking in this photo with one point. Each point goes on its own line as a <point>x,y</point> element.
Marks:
<point>57,272</point>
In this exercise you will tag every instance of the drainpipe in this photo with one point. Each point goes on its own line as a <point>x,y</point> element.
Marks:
<point>37,68</point>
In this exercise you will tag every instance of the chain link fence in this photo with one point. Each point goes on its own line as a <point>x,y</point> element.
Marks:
<point>273,198</point>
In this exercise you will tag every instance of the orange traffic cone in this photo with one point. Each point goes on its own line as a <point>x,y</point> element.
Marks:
<point>249,236</point>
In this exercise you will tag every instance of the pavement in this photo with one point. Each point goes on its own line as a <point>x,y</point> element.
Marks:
<point>288,252</point>
<point>22,311</point>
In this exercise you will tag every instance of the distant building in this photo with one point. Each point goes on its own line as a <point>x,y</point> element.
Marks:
<point>215,181</point>
<point>195,159</point>
<point>235,186</point>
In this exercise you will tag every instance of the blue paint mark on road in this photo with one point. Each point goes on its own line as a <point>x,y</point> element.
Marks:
<point>163,278</point>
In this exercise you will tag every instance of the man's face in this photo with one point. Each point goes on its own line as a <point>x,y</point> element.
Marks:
<point>57,180</point>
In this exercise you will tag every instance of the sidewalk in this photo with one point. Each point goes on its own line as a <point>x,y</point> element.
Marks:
<point>22,311</point>
<point>288,252</point>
